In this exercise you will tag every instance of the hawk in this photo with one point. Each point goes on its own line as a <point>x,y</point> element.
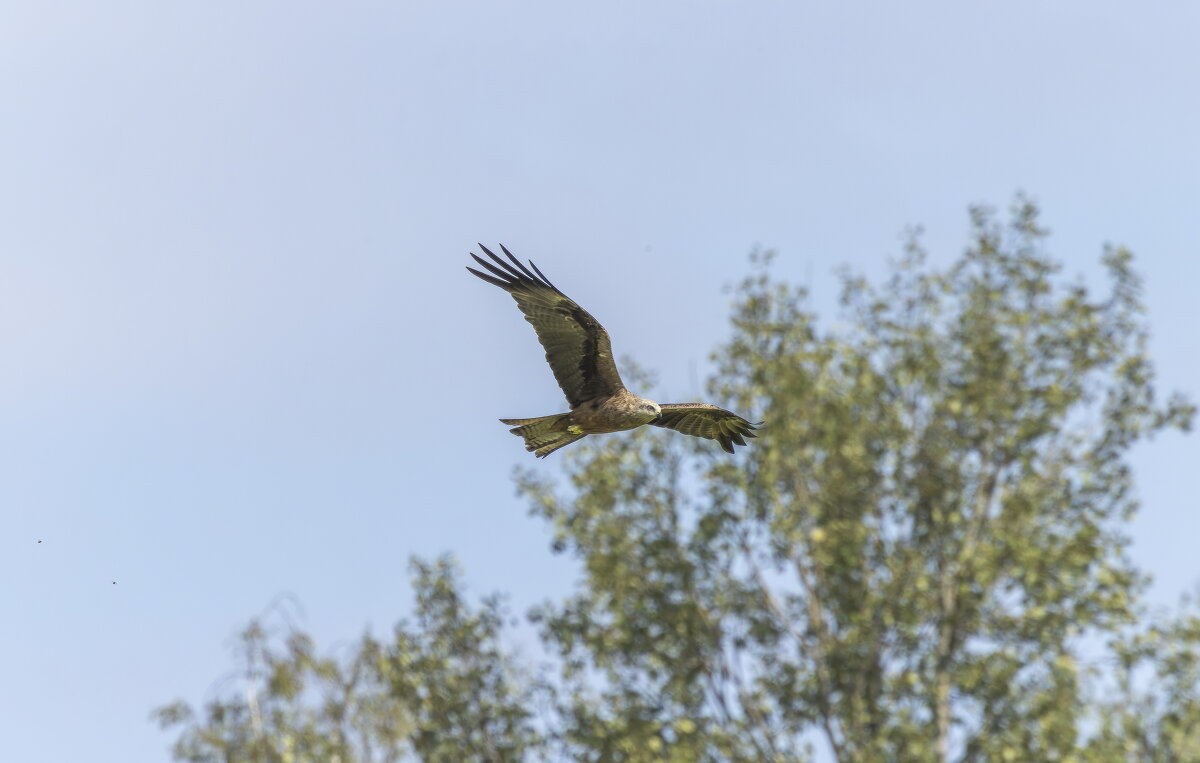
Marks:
<point>580,356</point>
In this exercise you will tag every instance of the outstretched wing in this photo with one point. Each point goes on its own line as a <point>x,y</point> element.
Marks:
<point>577,346</point>
<point>704,420</point>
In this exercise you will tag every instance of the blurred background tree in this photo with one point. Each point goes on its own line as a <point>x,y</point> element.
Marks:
<point>921,558</point>
<point>443,689</point>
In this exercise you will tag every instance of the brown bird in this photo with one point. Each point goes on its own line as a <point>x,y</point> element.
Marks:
<point>580,356</point>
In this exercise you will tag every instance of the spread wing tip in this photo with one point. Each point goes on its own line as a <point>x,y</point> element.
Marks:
<point>490,279</point>
<point>513,272</point>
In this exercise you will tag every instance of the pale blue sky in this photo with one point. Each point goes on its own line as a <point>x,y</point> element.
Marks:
<point>241,356</point>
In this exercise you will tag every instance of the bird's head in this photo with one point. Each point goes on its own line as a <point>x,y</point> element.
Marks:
<point>652,408</point>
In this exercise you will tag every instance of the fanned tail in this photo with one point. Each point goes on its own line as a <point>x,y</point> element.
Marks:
<point>544,434</point>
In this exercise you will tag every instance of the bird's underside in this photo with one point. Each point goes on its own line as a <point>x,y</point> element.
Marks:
<point>580,356</point>
<point>614,413</point>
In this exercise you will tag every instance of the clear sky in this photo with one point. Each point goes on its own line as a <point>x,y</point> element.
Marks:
<point>240,354</point>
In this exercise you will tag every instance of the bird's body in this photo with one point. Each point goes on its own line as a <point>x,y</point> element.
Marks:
<point>615,413</point>
<point>580,356</point>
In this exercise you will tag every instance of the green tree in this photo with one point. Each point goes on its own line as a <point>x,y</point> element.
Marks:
<point>912,555</point>
<point>1150,710</point>
<point>921,558</point>
<point>444,690</point>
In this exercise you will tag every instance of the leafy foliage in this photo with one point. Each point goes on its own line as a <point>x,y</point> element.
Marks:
<point>1153,711</point>
<point>442,690</point>
<point>915,560</point>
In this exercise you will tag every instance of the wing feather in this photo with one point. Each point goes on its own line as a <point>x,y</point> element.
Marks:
<point>704,420</point>
<point>577,346</point>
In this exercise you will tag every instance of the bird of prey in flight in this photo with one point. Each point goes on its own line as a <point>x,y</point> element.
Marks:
<point>580,356</point>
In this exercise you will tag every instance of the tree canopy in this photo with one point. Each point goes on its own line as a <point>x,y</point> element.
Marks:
<point>922,557</point>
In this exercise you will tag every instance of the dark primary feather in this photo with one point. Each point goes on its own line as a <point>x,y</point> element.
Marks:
<point>704,420</point>
<point>577,346</point>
